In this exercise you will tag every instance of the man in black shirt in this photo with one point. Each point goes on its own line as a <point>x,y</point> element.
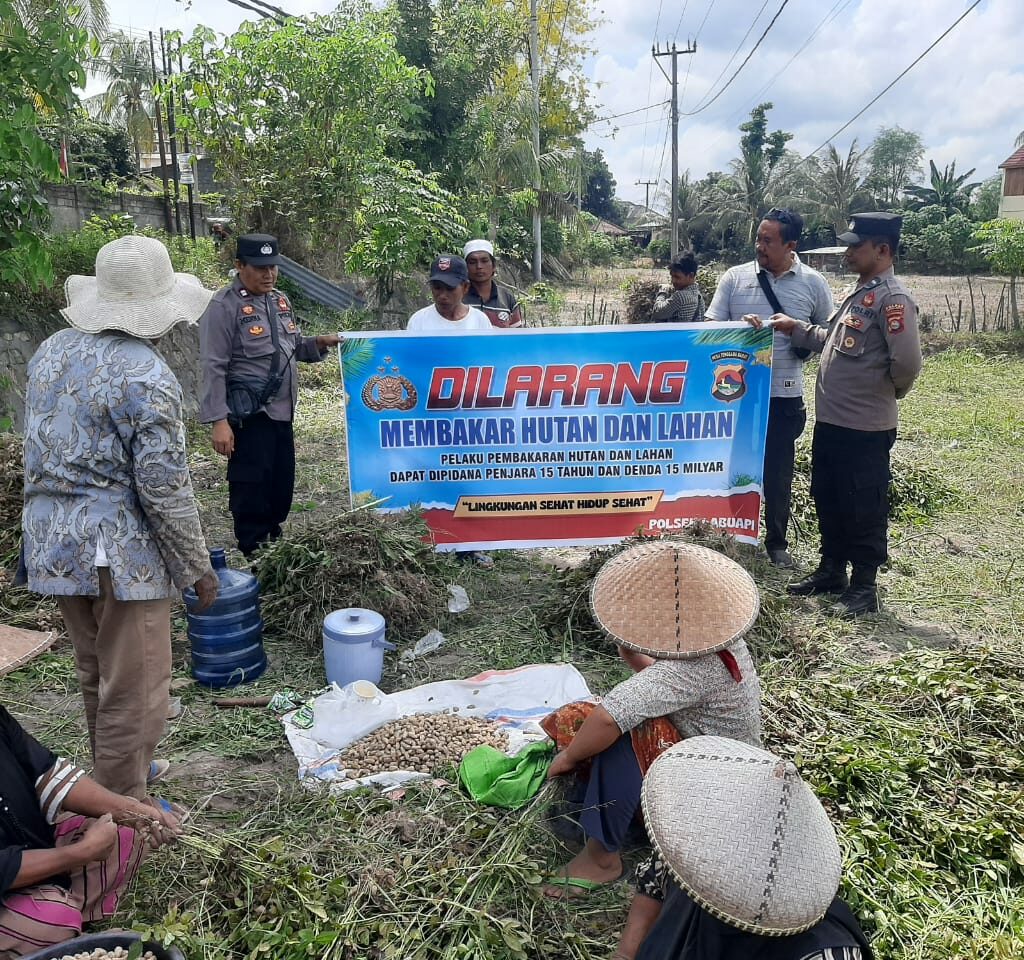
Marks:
<point>485,293</point>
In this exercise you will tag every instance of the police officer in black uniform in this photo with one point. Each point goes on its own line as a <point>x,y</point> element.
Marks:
<point>249,344</point>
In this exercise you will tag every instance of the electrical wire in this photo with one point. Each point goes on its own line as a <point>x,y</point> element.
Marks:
<point>739,46</point>
<point>837,8</point>
<point>875,99</point>
<point>705,104</point>
<point>628,113</point>
<point>679,24</point>
<point>696,37</point>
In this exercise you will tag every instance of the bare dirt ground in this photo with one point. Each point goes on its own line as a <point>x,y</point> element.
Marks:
<point>945,302</point>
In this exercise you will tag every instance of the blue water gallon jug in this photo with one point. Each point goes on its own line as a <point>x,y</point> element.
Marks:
<point>354,645</point>
<point>227,637</point>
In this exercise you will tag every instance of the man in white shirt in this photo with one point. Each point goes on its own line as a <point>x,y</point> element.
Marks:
<point>449,283</point>
<point>743,291</point>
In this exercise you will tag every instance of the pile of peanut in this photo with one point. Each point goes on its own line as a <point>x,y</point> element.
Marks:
<point>422,742</point>
<point>118,953</point>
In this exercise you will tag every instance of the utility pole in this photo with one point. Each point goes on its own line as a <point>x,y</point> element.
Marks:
<point>646,184</point>
<point>157,102</point>
<point>188,186</point>
<point>172,135</point>
<point>674,52</point>
<point>535,124</point>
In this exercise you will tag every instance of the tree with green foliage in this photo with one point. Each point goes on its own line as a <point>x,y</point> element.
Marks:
<point>946,190</point>
<point>835,185</point>
<point>1001,242</point>
<point>894,163</point>
<point>599,187</point>
<point>128,100</point>
<point>40,67</point>
<point>96,150</point>
<point>758,179</point>
<point>404,215</point>
<point>985,202</point>
<point>300,119</point>
<point>88,15</point>
<point>935,239</point>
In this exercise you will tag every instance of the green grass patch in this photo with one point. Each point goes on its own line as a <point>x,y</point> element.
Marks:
<point>915,751</point>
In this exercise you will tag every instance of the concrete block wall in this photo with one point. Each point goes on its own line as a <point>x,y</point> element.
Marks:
<point>71,204</point>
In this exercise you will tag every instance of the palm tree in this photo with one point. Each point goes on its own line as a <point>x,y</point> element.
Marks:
<point>507,164</point>
<point>128,98</point>
<point>89,15</point>
<point>834,183</point>
<point>947,190</point>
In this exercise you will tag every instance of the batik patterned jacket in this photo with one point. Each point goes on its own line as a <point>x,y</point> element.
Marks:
<point>105,451</point>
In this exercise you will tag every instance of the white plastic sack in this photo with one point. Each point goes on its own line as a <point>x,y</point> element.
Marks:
<point>516,699</point>
<point>346,714</point>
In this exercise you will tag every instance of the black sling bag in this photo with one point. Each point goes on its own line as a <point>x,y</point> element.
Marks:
<point>801,354</point>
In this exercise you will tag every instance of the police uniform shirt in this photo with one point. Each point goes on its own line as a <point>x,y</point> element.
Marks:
<point>502,309</point>
<point>235,338</point>
<point>803,294</point>
<point>870,356</point>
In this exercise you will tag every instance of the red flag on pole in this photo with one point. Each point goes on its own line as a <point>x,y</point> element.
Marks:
<point>63,161</point>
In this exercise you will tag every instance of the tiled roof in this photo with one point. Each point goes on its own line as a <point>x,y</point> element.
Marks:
<point>1014,161</point>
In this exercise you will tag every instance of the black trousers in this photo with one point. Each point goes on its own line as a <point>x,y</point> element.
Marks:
<point>850,485</point>
<point>261,480</point>
<point>787,417</point>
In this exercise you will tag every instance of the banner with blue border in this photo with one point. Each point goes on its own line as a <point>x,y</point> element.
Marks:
<point>562,435</point>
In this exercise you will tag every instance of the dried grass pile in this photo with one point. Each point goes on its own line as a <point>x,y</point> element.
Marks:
<point>12,485</point>
<point>640,299</point>
<point>570,616</point>
<point>359,559</point>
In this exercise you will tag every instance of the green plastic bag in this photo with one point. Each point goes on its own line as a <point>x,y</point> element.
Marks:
<point>493,778</point>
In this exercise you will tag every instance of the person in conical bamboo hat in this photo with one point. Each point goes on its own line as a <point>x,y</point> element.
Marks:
<point>751,864</point>
<point>677,612</point>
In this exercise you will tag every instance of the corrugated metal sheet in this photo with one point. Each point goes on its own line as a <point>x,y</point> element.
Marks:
<point>323,291</point>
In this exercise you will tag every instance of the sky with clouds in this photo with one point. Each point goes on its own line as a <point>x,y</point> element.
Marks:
<point>820,63</point>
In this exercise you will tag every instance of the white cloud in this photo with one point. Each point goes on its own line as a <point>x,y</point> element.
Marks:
<point>963,98</point>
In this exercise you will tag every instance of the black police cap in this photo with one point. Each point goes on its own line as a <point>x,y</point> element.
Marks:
<point>866,225</point>
<point>258,249</point>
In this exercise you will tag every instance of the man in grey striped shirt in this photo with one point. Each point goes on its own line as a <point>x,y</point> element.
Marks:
<point>798,288</point>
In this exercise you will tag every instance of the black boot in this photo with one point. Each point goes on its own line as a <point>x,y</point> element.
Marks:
<point>830,577</point>
<point>860,597</point>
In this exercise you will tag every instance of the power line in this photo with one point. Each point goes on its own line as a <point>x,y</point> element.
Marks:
<point>628,113</point>
<point>696,37</point>
<point>678,25</point>
<point>739,46</point>
<point>708,103</point>
<point>837,8</point>
<point>875,99</point>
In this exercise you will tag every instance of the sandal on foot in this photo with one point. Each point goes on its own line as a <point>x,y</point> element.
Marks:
<point>571,888</point>
<point>157,768</point>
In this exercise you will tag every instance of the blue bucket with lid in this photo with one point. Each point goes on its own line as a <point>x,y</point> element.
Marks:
<point>354,645</point>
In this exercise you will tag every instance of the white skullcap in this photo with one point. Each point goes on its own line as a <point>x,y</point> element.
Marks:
<point>475,246</point>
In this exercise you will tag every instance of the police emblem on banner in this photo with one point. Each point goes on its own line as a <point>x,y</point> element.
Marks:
<point>730,382</point>
<point>388,391</point>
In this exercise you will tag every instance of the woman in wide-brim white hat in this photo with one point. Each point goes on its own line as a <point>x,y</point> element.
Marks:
<point>135,291</point>
<point>677,612</point>
<point>752,860</point>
